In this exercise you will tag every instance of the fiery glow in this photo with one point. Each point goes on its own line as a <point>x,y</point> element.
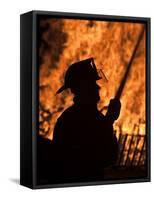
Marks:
<point>64,41</point>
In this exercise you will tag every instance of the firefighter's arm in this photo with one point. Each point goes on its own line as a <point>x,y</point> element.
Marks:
<point>113,110</point>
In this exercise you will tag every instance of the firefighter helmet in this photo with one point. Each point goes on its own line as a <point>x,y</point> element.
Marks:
<point>79,72</point>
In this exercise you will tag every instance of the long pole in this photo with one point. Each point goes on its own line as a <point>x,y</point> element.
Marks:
<point>123,81</point>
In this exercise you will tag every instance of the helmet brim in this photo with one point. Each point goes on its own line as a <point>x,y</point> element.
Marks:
<point>64,87</point>
<point>61,89</point>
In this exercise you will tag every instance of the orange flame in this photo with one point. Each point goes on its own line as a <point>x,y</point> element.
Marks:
<point>64,41</point>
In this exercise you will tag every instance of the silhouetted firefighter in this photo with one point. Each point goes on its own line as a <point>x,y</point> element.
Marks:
<point>84,138</point>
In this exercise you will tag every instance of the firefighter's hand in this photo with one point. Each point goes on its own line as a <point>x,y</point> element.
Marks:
<point>114,109</point>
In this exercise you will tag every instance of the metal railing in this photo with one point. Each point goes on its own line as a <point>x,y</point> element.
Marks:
<point>132,150</point>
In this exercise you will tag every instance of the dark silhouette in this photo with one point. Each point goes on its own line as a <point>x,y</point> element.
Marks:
<point>83,137</point>
<point>44,162</point>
